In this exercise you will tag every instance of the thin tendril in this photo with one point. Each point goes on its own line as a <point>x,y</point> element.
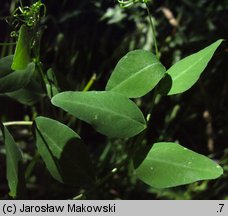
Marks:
<point>153,31</point>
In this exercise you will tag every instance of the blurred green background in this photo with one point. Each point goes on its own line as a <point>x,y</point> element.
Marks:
<point>86,37</point>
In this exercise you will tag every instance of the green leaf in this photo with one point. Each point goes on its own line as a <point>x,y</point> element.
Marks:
<point>5,65</point>
<point>29,95</point>
<point>15,171</point>
<point>22,52</point>
<point>52,90</point>
<point>108,112</point>
<point>170,164</point>
<point>137,73</point>
<point>51,83</point>
<point>17,79</point>
<point>184,74</point>
<point>63,152</point>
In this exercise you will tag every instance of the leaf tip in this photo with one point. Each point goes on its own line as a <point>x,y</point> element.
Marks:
<point>220,170</point>
<point>54,99</point>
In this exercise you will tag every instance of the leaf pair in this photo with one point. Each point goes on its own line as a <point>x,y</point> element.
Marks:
<point>170,164</point>
<point>64,154</point>
<point>110,112</point>
<point>166,164</point>
<point>113,114</point>
<point>136,74</point>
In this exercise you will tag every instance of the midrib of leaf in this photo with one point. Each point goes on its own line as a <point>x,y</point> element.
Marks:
<point>59,149</point>
<point>134,75</point>
<point>191,66</point>
<point>179,165</point>
<point>104,110</point>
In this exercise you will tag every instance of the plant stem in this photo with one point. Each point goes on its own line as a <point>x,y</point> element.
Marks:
<point>8,44</point>
<point>29,123</point>
<point>40,70</point>
<point>22,7</point>
<point>141,135</point>
<point>31,165</point>
<point>90,83</point>
<point>152,104</point>
<point>153,30</point>
<point>85,89</point>
<point>103,180</point>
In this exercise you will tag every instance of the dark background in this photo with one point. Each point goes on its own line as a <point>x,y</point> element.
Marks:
<point>84,37</point>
